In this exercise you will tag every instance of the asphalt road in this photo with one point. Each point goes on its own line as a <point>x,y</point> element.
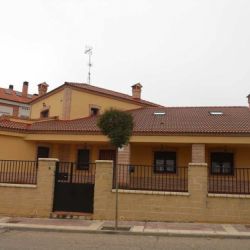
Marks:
<point>49,240</point>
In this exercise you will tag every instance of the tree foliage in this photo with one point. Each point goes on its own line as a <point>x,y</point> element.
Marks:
<point>117,125</point>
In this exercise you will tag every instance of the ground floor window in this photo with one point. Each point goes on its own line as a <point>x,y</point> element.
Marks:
<point>164,162</point>
<point>83,159</point>
<point>222,163</point>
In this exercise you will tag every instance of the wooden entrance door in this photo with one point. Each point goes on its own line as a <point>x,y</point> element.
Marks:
<point>42,152</point>
<point>108,154</point>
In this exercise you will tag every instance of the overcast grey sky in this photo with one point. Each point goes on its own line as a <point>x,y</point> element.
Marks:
<point>183,52</point>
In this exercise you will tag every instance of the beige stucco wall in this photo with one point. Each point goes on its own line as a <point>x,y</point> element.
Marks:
<point>54,102</point>
<point>194,206</point>
<point>72,104</point>
<point>143,154</point>
<point>80,102</point>
<point>16,148</point>
<point>30,200</point>
<point>68,152</point>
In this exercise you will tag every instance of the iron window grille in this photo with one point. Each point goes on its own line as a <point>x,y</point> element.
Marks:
<point>222,163</point>
<point>164,162</point>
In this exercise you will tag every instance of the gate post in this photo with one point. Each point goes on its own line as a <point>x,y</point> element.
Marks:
<point>103,197</point>
<point>198,181</point>
<point>46,182</point>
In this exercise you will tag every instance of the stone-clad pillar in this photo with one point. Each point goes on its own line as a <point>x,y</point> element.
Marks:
<point>198,179</point>
<point>123,161</point>
<point>104,200</point>
<point>45,185</point>
<point>198,153</point>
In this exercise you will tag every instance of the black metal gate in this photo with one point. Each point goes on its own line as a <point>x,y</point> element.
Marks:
<point>74,187</point>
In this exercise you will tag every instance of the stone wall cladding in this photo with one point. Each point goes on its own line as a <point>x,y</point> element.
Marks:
<point>198,153</point>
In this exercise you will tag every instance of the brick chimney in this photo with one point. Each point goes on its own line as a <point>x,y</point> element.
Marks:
<point>42,88</point>
<point>248,97</point>
<point>25,89</point>
<point>11,87</point>
<point>136,91</point>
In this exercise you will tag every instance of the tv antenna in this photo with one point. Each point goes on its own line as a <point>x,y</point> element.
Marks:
<point>88,51</point>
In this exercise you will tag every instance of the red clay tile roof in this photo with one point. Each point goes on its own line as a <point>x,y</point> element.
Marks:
<point>15,96</point>
<point>85,125</point>
<point>177,120</point>
<point>192,120</point>
<point>13,125</point>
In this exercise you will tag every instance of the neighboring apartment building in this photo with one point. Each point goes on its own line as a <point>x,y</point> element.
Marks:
<point>17,104</point>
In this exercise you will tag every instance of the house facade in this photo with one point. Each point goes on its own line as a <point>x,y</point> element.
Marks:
<point>176,157</point>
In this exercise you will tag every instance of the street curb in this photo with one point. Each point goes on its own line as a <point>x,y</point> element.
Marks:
<point>172,233</point>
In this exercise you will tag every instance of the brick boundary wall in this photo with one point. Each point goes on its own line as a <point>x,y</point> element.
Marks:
<point>30,200</point>
<point>194,206</point>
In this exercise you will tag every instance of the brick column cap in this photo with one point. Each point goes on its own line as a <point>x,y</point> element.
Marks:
<point>103,161</point>
<point>48,159</point>
<point>197,164</point>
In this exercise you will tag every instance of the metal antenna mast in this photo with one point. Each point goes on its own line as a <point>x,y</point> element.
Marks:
<point>88,51</point>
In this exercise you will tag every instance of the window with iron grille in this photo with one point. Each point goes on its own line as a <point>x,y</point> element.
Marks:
<point>83,159</point>
<point>222,163</point>
<point>164,162</point>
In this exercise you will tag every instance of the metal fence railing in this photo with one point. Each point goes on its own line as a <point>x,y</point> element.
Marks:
<point>72,172</point>
<point>237,183</point>
<point>18,172</point>
<point>142,177</point>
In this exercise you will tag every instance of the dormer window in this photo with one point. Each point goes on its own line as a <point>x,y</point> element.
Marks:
<point>159,113</point>
<point>216,113</point>
<point>94,110</point>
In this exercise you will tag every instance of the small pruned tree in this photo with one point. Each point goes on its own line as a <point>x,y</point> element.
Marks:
<point>118,126</point>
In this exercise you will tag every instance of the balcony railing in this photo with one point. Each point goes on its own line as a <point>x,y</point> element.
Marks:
<point>237,183</point>
<point>141,177</point>
<point>18,172</point>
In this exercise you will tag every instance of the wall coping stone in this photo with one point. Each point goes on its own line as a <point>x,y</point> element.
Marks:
<point>241,196</point>
<point>17,185</point>
<point>151,192</point>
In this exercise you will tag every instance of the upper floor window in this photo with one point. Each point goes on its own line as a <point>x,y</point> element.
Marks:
<point>164,162</point>
<point>222,163</point>
<point>94,110</point>
<point>44,113</point>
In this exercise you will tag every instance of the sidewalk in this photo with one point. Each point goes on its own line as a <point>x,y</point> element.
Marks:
<point>127,227</point>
